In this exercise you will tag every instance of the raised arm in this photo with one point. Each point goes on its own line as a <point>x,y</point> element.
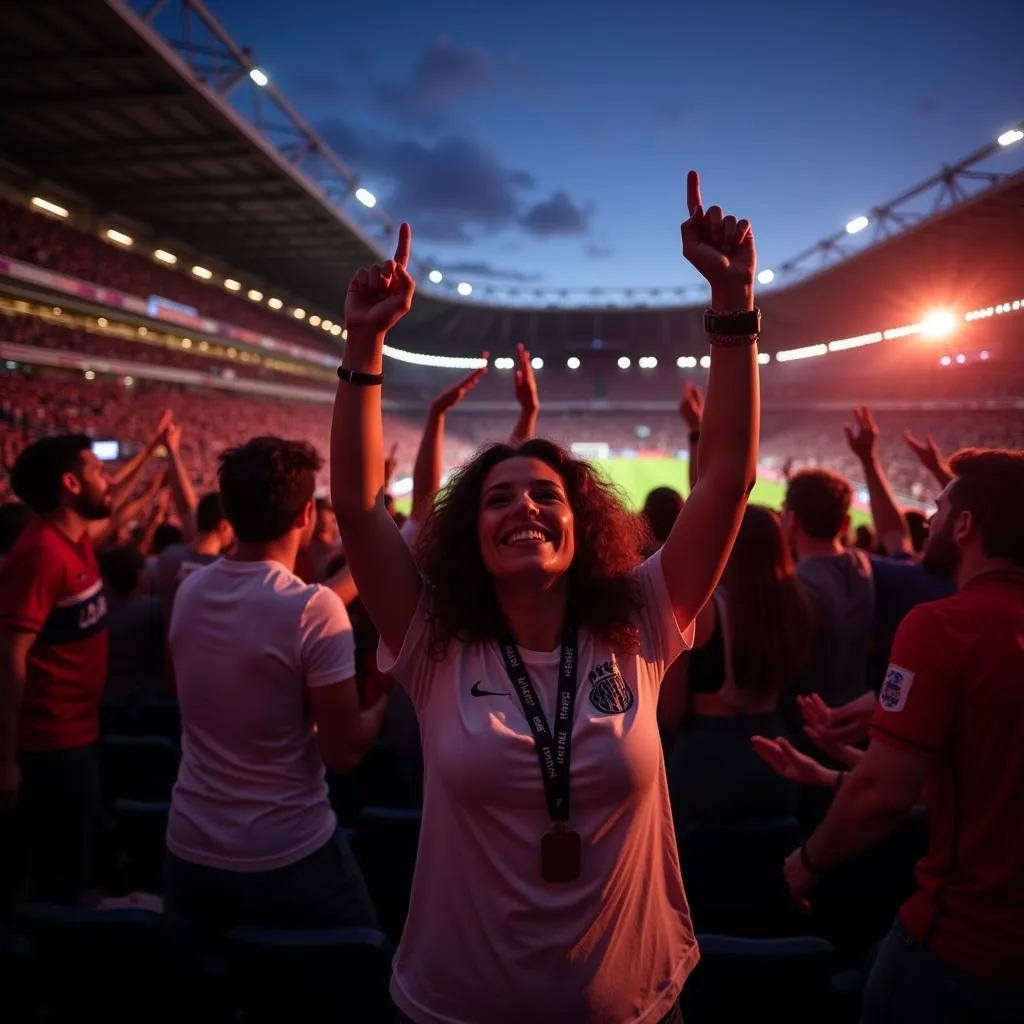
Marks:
<point>426,474</point>
<point>694,555</point>
<point>525,385</point>
<point>382,565</point>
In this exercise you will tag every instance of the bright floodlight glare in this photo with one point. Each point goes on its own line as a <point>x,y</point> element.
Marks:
<point>202,272</point>
<point>961,359</point>
<point>766,276</point>
<point>436,277</point>
<point>705,362</point>
<point>44,204</point>
<point>167,257</point>
<point>232,285</point>
<point>940,323</point>
<point>254,294</point>
<point>259,77</point>
<point>1008,138</point>
<point>857,224</point>
<point>119,236</point>
<point>945,361</point>
<point>682,363</point>
<point>366,197</point>
<point>983,355</point>
<point>573,362</point>
<point>335,329</point>
<point>299,313</point>
<point>763,358</point>
<point>314,321</point>
<point>274,303</point>
<point>464,288</point>
<point>623,362</point>
<point>537,363</point>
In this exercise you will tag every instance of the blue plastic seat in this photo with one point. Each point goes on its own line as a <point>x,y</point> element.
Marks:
<point>340,975</point>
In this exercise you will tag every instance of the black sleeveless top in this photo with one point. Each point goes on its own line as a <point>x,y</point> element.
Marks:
<point>707,663</point>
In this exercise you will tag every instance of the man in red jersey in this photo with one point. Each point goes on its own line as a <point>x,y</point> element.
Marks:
<point>53,663</point>
<point>950,723</point>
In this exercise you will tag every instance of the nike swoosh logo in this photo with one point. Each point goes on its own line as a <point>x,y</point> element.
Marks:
<point>477,692</point>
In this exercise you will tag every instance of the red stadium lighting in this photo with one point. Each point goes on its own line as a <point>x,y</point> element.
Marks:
<point>961,359</point>
<point>940,323</point>
<point>945,361</point>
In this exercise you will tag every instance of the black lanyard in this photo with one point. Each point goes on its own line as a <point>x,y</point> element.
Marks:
<point>553,750</point>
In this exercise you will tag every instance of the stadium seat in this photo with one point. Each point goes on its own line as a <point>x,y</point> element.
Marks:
<point>733,877</point>
<point>141,836</point>
<point>119,965</point>
<point>377,781</point>
<point>340,976</point>
<point>138,767</point>
<point>385,845</point>
<point>739,980</point>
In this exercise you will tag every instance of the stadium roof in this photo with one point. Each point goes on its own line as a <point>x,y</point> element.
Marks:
<point>94,100</point>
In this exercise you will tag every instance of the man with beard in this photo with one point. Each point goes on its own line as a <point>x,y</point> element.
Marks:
<point>53,665</point>
<point>950,723</point>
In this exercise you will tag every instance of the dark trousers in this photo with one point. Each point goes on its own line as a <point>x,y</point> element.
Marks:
<point>46,841</point>
<point>909,983</point>
<point>674,1016</point>
<point>323,890</point>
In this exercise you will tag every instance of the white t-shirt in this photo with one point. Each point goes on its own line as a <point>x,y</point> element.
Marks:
<point>247,639</point>
<point>487,939</point>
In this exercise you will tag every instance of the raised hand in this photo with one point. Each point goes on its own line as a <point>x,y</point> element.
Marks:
<point>930,456</point>
<point>453,395</point>
<point>379,296</point>
<point>785,760</point>
<point>390,464</point>
<point>691,405</point>
<point>524,382</point>
<point>722,249</point>
<point>864,442</point>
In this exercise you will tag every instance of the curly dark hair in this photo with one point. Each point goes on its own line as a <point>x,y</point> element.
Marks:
<point>603,593</point>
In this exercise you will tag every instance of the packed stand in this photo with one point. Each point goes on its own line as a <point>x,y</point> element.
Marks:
<point>578,764</point>
<point>40,239</point>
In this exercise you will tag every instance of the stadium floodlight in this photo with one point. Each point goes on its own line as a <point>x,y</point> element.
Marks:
<point>940,323</point>
<point>366,197</point>
<point>255,294</point>
<point>436,277</point>
<point>186,342</point>
<point>647,362</point>
<point>274,303</point>
<point>504,363</point>
<point>573,362</point>
<point>344,337</point>
<point>857,224</point>
<point>764,358</point>
<point>118,236</point>
<point>90,374</point>
<point>314,321</point>
<point>464,288</point>
<point>326,325</point>
<point>232,285</point>
<point>705,362</point>
<point>1008,138</point>
<point>961,359</point>
<point>623,362</point>
<point>259,76</point>
<point>945,361</point>
<point>44,204</point>
<point>537,363</point>
<point>168,257</point>
<point>983,355</point>
<point>299,313</point>
<point>766,276</point>
<point>335,329</point>
<point>202,272</point>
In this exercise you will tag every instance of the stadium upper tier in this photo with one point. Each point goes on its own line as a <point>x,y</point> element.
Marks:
<point>98,113</point>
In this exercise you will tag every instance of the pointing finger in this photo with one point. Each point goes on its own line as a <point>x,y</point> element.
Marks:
<point>404,245</point>
<point>693,199</point>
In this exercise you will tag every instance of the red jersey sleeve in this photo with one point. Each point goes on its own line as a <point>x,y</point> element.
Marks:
<point>30,584</point>
<point>915,704</point>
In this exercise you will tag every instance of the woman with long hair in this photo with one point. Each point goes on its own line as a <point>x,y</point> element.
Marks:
<point>547,884</point>
<point>750,643</point>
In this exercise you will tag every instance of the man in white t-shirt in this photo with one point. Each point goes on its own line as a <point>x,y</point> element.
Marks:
<point>264,665</point>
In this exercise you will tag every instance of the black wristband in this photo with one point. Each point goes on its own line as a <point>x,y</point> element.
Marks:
<point>806,861</point>
<point>694,437</point>
<point>358,377</point>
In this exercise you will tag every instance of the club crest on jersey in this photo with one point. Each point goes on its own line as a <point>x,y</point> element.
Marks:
<point>896,688</point>
<point>609,693</point>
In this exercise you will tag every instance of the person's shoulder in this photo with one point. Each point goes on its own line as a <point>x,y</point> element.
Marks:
<point>38,543</point>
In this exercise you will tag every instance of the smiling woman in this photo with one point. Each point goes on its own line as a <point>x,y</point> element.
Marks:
<point>536,637</point>
<point>587,539</point>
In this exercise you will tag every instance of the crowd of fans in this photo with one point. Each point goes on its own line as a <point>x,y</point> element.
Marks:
<point>335,715</point>
<point>51,243</point>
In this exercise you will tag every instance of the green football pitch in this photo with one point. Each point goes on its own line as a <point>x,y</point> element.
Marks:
<point>636,478</point>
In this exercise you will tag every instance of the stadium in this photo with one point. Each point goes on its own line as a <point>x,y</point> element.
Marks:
<point>167,245</point>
